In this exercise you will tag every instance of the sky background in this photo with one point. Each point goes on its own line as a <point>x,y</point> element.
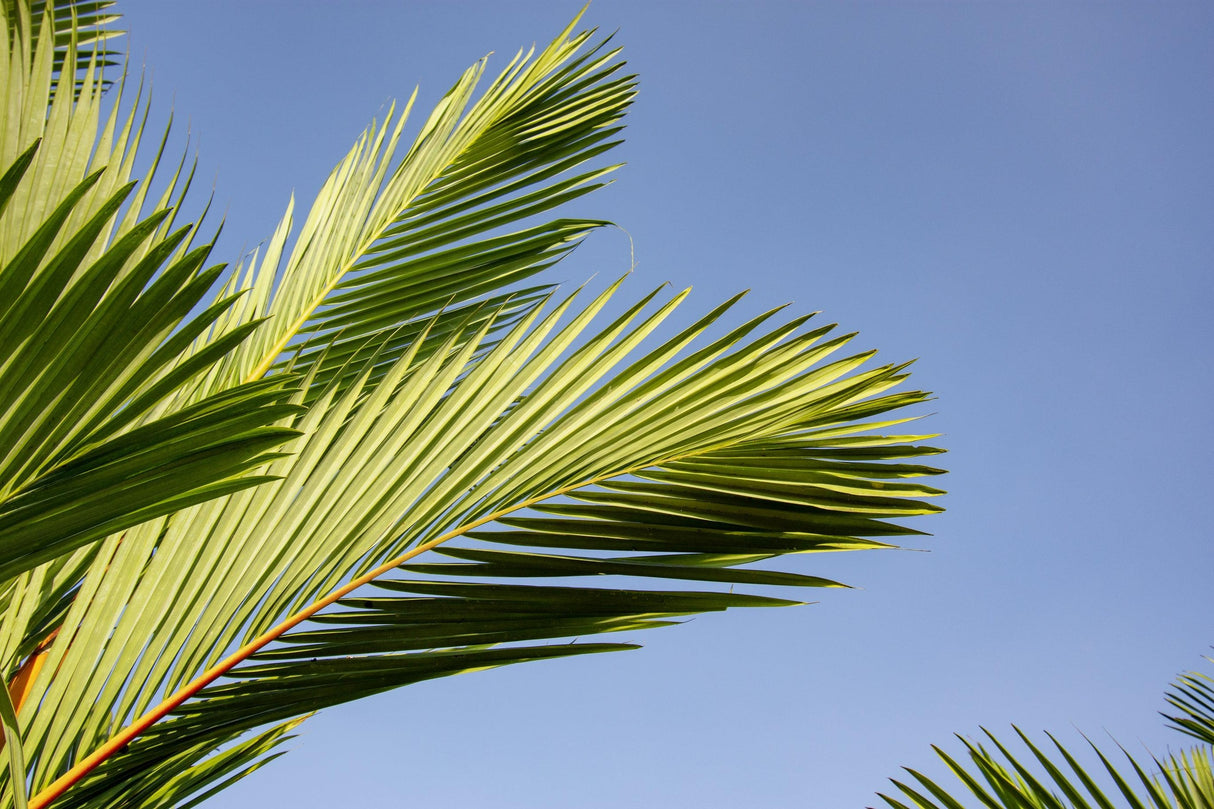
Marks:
<point>1021,195</point>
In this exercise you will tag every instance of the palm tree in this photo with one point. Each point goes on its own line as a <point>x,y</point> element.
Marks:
<point>232,497</point>
<point>1056,779</point>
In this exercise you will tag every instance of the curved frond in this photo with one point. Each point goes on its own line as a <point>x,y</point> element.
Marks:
<point>692,465</point>
<point>390,242</point>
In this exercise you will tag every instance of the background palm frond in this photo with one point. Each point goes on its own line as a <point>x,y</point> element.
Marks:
<point>1058,780</point>
<point>81,29</point>
<point>1193,695</point>
<point>1000,780</point>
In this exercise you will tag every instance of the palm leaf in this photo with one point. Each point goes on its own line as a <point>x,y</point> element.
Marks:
<point>182,780</point>
<point>80,30</point>
<point>453,221</point>
<point>86,141</point>
<point>1000,780</point>
<point>1193,695</point>
<point>14,748</point>
<point>97,299</point>
<point>91,353</point>
<point>446,445</point>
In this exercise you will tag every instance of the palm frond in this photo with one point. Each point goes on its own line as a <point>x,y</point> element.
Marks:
<point>1057,780</point>
<point>184,779</point>
<point>692,456</point>
<point>389,243</point>
<point>99,299</point>
<point>81,31</point>
<point>1193,695</point>
<point>15,753</point>
<point>91,350</point>
<point>83,140</point>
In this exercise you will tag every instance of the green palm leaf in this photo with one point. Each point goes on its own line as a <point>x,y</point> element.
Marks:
<point>385,245</point>
<point>1193,695</point>
<point>183,779</point>
<point>81,30</point>
<point>442,446</point>
<point>1057,780</point>
<point>1000,780</point>
<point>86,140</point>
<point>89,357</point>
<point>97,298</point>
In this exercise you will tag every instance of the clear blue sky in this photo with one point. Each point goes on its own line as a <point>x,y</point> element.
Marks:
<point>1019,194</point>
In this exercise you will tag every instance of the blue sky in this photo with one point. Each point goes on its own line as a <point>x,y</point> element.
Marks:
<point>1020,195</point>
